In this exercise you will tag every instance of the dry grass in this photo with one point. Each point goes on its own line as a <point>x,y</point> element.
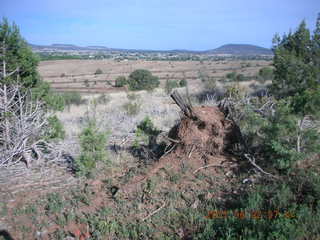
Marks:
<point>79,74</point>
<point>112,117</point>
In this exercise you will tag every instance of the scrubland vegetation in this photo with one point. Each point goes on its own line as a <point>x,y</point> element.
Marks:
<point>118,180</point>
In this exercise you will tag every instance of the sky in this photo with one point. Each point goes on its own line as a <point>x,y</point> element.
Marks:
<point>157,24</point>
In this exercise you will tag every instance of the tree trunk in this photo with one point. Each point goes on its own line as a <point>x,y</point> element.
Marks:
<point>185,107</point>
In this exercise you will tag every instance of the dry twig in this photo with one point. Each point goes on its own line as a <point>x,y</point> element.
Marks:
<point>154,212</point>
<point>252,161</point>
<point>207,166</point>
<point>23,123</point>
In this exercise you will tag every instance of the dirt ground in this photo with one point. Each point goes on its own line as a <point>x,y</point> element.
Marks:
<point>50,202</point>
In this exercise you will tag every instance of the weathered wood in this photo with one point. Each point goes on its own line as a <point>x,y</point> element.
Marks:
<point>185,107</point>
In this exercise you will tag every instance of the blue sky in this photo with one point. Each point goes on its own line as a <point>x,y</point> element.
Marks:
<point>157,24</point>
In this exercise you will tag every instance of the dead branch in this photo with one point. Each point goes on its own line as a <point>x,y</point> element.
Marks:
<point>193,147</point>
<point>185,107</point>
<point>172,140</point>
<point>168,151</point>
<point>22,125</point>
<point>154,212</point>
<point>207,166</point>
<point>252,161</point>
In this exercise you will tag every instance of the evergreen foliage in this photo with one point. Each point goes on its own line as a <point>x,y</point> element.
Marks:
<point>18,65</point>
<point>92,144</point>
<point>142,79</point>
<point>98,71</point>
<point>297,68</point>
<point>183,83</point>
<point>266,73</point>
<point>120,81</point>
<point>55,129</point>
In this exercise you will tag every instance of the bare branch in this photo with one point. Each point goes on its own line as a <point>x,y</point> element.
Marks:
<point>252,161</point>
<point>154,212</point>
<point>22,125</point>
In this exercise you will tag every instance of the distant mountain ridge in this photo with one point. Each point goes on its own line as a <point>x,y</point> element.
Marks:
<point>228,49</point>
<point>241,49</point>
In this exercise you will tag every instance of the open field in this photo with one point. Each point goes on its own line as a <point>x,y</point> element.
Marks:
<point>132,196</point>
<point>79,75</point>
<point>51,202</point>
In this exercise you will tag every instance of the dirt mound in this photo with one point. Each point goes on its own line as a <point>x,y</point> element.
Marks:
<point>201,142</point>
<point>209,134</point>
<point>205,140</point>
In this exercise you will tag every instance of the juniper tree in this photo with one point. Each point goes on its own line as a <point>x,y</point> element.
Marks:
<point>24,100</point>
<point>18,65</point>
<point>292,133</point>
<point>296,74</point>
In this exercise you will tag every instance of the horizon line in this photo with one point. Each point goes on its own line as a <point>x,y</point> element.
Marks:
<point>163,50</point>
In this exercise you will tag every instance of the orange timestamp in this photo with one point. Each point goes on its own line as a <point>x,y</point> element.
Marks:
<point>255,214</point>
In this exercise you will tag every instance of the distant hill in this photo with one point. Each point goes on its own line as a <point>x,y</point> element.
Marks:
<point>57,47</point>
<point>98,47</point>
<point>230,49</point>
<point>241,49</point>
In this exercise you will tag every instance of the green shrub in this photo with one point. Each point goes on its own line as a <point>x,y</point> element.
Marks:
<point>120,81</point>
<point>147,127</point>
<point>231,76</point>
<point>145,131</point>
<point>17,54</point>
<point>265,73</point>
<point>297,68</point>
<point>240,77</point>
<point>98,71</point>
<point>170,85</point>
<point>296,85</point>
<point>72,98</point>
<point>285,142</point>
<point>142,79</point>
<point>93,145</point>
<point>54,101</point>
<point>269,209</point>
<point>55,128</point>
<point>132,108</point>
<point>183,83</point>
<point>86,83</point>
